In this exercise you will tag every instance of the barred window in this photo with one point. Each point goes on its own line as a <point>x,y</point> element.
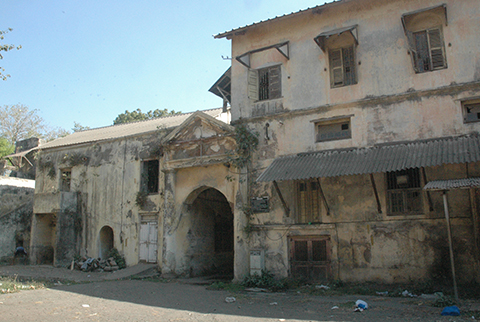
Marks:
<point>265,83</point>
<point>404,192</point>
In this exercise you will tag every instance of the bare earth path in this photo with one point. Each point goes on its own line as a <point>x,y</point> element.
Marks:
<point>142,300</point>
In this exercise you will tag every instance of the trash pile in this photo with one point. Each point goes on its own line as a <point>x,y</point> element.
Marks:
<point>95,265</point>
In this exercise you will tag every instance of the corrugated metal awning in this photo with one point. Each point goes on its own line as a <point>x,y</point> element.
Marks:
<point>320,39</point>
<point>380,158</point>
<point>442,185</point>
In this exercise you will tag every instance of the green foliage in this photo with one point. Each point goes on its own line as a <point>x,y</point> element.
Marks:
<point>443,301</point>
<point>119,259</point>
<point>13,285</point>
<point>138,115</point>
<point>74,159</point>
<point>141,199</point>
<point>247,142</point>
<point>265,280</point>
<point>77,127</point>
<point>5,48</point>
<point>6,147</point>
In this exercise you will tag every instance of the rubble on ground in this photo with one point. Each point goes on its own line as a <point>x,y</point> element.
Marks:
<point>95,265</point>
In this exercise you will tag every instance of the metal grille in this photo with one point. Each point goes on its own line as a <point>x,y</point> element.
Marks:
<point>269,83</point>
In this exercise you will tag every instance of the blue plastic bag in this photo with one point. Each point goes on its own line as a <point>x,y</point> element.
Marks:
<point>451,310</point>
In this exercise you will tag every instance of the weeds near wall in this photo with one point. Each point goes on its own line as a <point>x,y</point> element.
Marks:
<point>265,280</point>
<point>119,259</point>
<point>142,199</point>
<point>246,144</point>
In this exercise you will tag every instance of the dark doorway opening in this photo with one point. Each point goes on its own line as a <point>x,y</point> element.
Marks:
<point>44,239</point>
<point>106,241</point>
<point>211,235</point>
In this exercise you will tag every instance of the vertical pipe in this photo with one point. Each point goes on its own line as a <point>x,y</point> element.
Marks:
<point>450,246</point>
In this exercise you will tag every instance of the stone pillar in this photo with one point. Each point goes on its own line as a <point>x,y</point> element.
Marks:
<point>168,249</point>
<point>241,249</point>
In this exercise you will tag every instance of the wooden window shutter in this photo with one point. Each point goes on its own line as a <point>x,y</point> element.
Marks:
<point>348,55</point>
<point>336,67</point>
<point>435,45</point>
<point>275,82</point>
<point>422,57</point>
<point>252,84</point>
<point>413,49</point>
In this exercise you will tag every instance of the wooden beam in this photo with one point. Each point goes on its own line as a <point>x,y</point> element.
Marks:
<point>285,206</point>
<point>320,190</point>
<point>375,192</point>
<point>429,197</point>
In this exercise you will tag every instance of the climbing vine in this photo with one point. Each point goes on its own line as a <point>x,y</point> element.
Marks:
<point>141,199</point>
<point>247,143</point>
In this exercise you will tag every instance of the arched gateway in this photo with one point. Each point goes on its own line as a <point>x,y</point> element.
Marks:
<point>210,233</point>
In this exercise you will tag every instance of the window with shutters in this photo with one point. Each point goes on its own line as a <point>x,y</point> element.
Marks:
<point>265,84</point>
<point>471,111</point>
<point>332,130</point>
<point>404,192</point>
<point>424,33</point>
<point>150,176</point>
<point>342,66</point>
<point>310,257</point>
<point>309,204</point>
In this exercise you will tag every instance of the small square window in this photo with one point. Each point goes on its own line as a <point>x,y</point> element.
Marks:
<point>471,112</point>
<point>332,130</point>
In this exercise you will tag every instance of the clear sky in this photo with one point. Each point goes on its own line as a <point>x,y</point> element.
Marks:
<point>88,61</point>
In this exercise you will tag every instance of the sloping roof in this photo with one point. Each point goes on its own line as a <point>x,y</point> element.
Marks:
<point>380,158</point>
<point>465,183</point>
<point>123,130</point>
<point>241,29</point>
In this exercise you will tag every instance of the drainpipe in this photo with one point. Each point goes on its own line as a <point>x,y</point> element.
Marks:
<point>450,245</point>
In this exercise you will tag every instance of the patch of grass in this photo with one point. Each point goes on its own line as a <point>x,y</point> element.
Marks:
<point>12,285</point>
<point>226,286</point>
<point>265,280</point>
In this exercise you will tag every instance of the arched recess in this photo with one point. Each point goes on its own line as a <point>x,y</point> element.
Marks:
<point>210,233</point>
<point>106,241</point>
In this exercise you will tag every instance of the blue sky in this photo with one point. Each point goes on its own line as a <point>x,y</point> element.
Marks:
<point>88,61</point>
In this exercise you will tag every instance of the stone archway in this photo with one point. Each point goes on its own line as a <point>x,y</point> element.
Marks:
<point>106,241</point>
<point>210,234</point>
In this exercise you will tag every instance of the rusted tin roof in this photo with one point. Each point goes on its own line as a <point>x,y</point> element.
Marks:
<point>379,158</point>
<point>453,184</point>
<point>123,130</point>
<point>239,30</point>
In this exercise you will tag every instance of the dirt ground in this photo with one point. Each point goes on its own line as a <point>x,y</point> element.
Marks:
<point>97,298</point>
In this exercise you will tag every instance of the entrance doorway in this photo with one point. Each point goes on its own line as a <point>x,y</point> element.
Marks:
<point>106,241</point>
<point>211,235</point>
<point>44,238</point>
<point>148,241</point>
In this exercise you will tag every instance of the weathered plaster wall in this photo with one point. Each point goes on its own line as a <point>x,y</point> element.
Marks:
<point>107,177</point>
<point>16,204</point>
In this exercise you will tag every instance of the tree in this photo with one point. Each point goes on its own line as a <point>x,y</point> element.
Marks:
<point>6,147</point>
<point>5,48</point>
<point>18,122</point>
<point>138,115</point>
<point>77,127</point>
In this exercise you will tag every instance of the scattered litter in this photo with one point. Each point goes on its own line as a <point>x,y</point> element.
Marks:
<point>429,296</point>
<point>85,305</point>
<point>360,306</point>
<point>57,283</point>
<point>93,264</point>
<point>451,310</point>
<point>335,307</point>
<point>281,319</point>
<point>322,287</point>
<point>230,299</point>
<point>382,293</point>
<point>274,303</point>
<point>407,293</point>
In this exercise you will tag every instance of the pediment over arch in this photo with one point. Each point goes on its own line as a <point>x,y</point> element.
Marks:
<point>201,138</point>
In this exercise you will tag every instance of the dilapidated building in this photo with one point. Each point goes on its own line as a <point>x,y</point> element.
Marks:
<point>358,105</point>
<point>341,115</point>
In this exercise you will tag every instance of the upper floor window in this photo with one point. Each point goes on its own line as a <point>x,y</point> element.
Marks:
<point>471,111</point>
<point>340,45</point>
<point>308,202</point>
<point>424,33</point>
<point>332,129</point>
<point>342,66</point>
<point>265,83</point>
<point>149,176</point>
<point>404,192</point>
